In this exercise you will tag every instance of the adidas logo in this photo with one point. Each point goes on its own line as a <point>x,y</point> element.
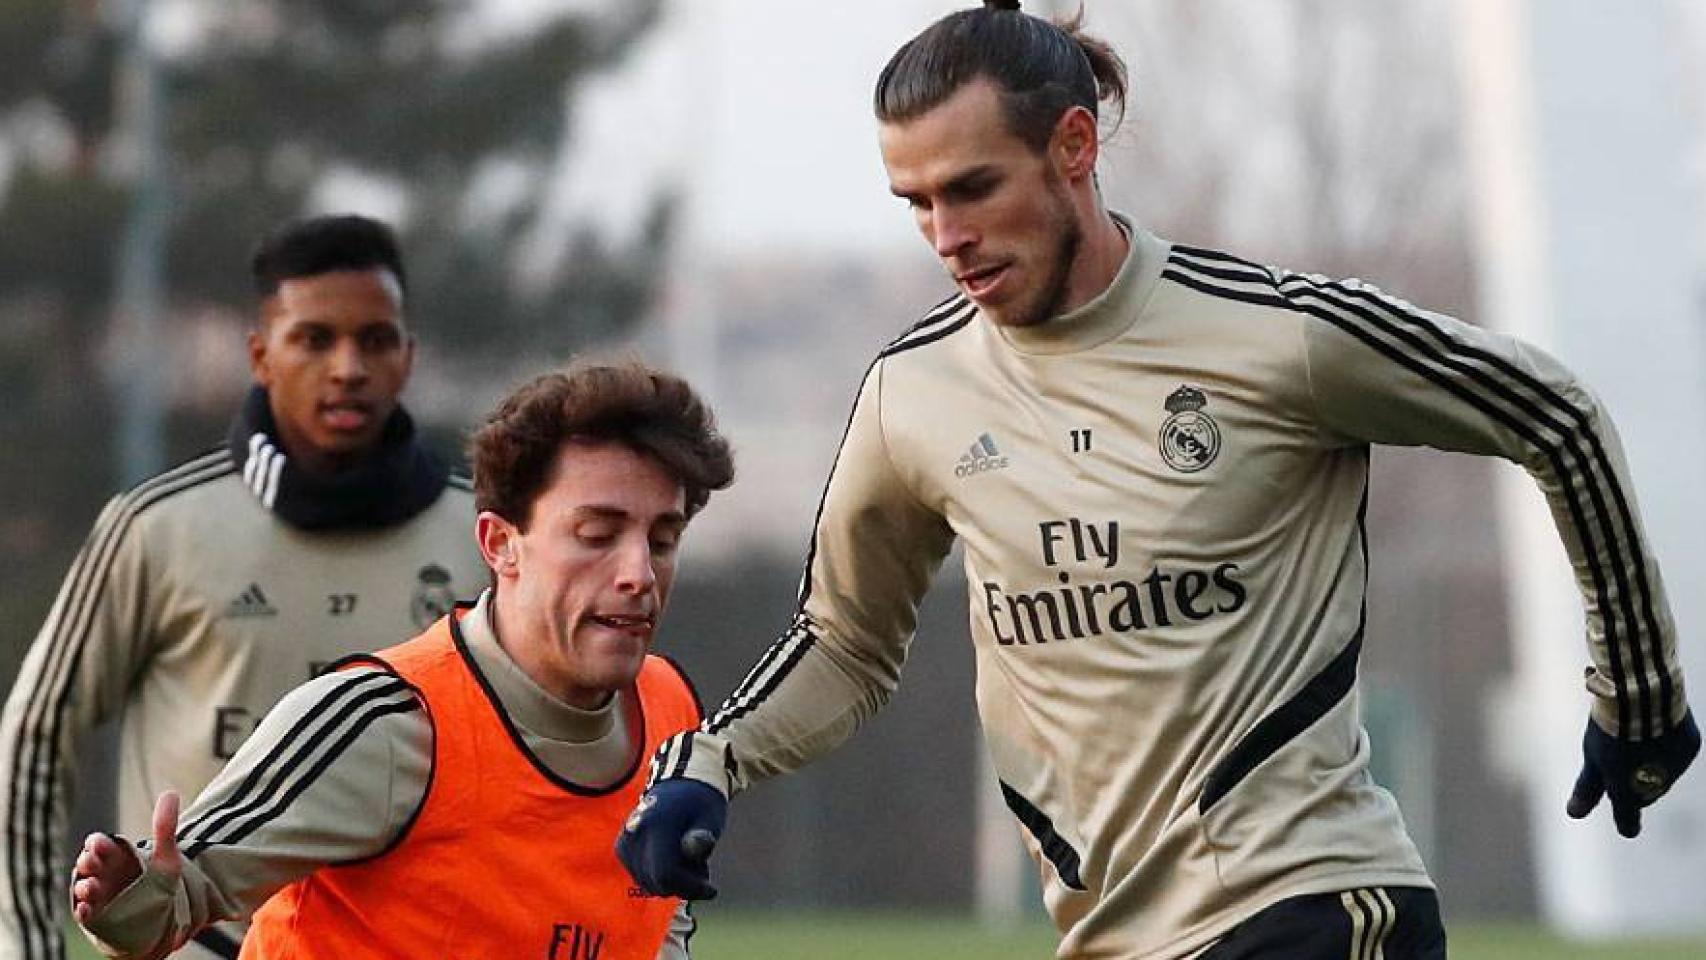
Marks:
<point>981,458</point>
<point>251,603</point>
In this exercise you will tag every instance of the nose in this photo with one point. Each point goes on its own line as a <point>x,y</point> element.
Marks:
<point>348,363</point>
<point>950,232</point>
<point>636,573</point>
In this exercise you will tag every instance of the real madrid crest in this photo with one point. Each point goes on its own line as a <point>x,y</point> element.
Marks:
<point>433,595</point>
<point>1190,439</point>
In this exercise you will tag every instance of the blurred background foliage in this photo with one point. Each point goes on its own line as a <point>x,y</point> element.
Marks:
<point>273,109</point>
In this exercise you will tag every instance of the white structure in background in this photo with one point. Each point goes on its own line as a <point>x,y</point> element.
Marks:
<point>1579,144</point>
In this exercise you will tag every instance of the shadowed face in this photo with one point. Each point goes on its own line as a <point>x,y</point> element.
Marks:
<point>580,591</point>
<point>996,212</point>
<point>332,352</point>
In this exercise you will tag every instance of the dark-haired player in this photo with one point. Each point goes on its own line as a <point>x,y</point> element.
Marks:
<point>458,795</point>
<point>1156,458</point>
<point>321,527</point>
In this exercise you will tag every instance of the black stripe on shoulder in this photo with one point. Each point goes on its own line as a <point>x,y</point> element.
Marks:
<point>687,681</point>
<point>180,479</point>
<point>1209,271</point>
<point>270,805</point>
<point>259,788</point>
<point>948,304</point>
<point>1260,297</point>
<point>1182,253</point>
<point>208,464</point>
<point>943,322</point>
<point>936,314</point>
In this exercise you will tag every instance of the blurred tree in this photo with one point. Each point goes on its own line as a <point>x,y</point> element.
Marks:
<point>1315,134</point>
<point>455,127</point>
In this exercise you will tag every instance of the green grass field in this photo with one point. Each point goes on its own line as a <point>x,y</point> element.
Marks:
<point>791,936</point>
<point>745,936</point>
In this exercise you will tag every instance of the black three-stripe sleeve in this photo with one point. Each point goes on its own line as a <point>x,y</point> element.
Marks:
<point>332,774</point>
<point>873,551</point>
<point>314,728</point>
<point>95,638</point>
<point>1382,371</point>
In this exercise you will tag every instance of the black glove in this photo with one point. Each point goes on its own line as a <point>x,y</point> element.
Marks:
<point>667,842</point>
<point>1633,773</point>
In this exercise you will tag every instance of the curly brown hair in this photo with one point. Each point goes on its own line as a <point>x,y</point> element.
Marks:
<point>654,413</point>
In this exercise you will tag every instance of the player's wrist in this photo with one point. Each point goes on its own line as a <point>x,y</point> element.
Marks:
<point>143,913</point>
<point>1605,711</point>
<point>695,755</point>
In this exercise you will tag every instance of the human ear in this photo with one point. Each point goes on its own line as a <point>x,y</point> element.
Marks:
<point>257,346</point>
<point>497,540</point>
<point>1074,146</point>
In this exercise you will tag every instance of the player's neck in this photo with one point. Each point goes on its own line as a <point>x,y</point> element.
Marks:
<point>1101,254</point>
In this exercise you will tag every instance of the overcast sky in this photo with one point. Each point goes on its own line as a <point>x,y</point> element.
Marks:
<point>764,109</point>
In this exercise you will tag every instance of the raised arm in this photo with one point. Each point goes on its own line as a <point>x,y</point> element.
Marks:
<point>873,551</point>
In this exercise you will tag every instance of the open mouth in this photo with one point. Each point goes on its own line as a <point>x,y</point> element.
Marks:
<point>978,283</point>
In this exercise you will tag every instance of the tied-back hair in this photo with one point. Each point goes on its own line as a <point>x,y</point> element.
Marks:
<point>316,245</point>
<point>654,413</point>
<point>1042,68</point>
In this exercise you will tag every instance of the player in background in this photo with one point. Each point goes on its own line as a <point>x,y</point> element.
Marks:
<point>1156,458</point>
<point>320,528</point>
<point>459,795</point>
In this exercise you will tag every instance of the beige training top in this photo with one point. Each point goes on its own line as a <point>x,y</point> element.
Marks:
<point>189,612</point>
<point>1160,497</point>
<point>286,806</point>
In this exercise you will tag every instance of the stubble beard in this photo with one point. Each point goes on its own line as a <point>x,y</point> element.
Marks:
<point>1068,237</point>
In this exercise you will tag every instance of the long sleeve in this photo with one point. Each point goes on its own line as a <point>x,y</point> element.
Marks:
<point>677,942</point>
<point>75,675</point>
<point>873,552</point>
<point>332,774</point>
<point>1382,371</point>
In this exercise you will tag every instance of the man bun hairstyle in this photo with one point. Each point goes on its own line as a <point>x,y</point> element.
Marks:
<point>316,245</point>
<point>1042,69</point>
<point>653,413</point>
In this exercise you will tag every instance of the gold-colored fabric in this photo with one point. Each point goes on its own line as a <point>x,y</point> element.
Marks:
<point>1159,498</point>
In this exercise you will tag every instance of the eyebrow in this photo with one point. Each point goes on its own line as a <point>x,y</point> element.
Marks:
<point>981,170</point>
<point>321,323</point>
<point>602,512</point>
<point>958,181</point>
